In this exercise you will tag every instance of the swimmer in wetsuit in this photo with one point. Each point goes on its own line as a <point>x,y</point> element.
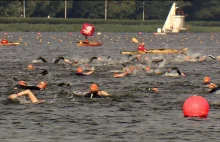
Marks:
<point>213,88</point>
<point>23,85</point>
<point>173,70</point>
<point>27,92</point>
<point>125,73</point>
<point>94,92</point>
<point>55,61</point>
<point>79,72</point>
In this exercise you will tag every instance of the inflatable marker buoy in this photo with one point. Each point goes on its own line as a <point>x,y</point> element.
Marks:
<point>196,106</point>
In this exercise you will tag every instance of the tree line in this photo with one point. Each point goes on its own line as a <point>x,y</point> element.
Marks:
<point>197,10</point>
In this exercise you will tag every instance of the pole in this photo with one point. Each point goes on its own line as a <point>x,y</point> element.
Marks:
<point>65,9</point>
<point>143,10</point>
<point>24,8</point>
<point>106,9</point>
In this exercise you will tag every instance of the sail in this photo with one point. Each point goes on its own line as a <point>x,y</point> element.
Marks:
<point>87,29</point>
<point>168,26</point>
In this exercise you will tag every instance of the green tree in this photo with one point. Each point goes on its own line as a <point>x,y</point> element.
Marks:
<point>10,8</point>
<point>206,10</point>
<point>30,8</point>
<point>121,9</point>
<point>88,9</point>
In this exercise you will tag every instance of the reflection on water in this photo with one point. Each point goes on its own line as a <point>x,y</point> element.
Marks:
<point>133,114</point>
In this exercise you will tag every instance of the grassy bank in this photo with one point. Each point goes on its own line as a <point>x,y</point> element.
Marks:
<point>76,28</point>
<point>74,25</point>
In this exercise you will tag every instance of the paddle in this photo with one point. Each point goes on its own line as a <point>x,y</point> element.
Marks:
<point>135,40</point>
<point>184,52</point>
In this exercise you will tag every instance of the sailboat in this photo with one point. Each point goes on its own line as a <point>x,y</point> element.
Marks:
<point>174,23</point>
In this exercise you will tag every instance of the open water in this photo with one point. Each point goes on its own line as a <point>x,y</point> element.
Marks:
<point>132,114</point>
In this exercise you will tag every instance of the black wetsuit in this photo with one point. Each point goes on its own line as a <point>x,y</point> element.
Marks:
<point>57,60</point>
<point>44,72</point>
<point>42,59</point>
<point>80,74</point>
<point>92,59</point>
<point>93,95</point>
<point>27,87</point>
<point>177,70</point>
<point>214,90</point>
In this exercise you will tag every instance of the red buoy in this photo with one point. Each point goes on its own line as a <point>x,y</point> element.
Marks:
<point>196,106</point>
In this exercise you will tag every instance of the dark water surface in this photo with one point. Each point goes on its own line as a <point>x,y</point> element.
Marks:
<point>133,114</point>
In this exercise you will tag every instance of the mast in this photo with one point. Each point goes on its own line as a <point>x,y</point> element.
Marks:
<point>65,9</point>
<point>143,10</point>
<point>106,9</point>
<point>24,8</point>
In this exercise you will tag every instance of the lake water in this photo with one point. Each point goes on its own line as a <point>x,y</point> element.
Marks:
<point>132,114</point>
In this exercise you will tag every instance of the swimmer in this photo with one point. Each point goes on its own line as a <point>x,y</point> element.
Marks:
<point>94,92</point>
<point>213,88</point>
<point>44,72</point>
<point>23,85</point>
<point>56,60</point>
<point>125,73</point>
<point>79,72</point>
<point>41,59</point>
<point>174,72</point>
<point>206,80</point>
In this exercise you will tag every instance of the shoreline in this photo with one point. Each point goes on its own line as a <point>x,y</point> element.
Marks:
<point>25,27</point>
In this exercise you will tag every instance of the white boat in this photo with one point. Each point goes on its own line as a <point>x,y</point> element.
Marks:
<point>174,23</point>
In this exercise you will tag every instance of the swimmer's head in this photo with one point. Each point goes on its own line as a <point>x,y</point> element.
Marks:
<point>94,88</point>
<point>79,70</point>
<point>30,67</point>
<point>212,85</point>
<point>154,89</point>
<point>206,79</point>
<point>148,68</point>
<point>42,85</point>
<point>22,83</point>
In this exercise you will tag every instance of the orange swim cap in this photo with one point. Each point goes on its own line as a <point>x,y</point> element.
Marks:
<point>42,85</point>
<point>155,89</point>
<point>94,88</point>
<point>147,68</point>
<point>30,67</point>
<point>22,83</point>
<point>212,85</point>
<point>206,79</point>
<point>79,70</point>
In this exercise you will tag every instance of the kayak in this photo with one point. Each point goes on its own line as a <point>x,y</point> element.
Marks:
<point>157,51</point>
<point>90,44</point>
<point>10,44</point>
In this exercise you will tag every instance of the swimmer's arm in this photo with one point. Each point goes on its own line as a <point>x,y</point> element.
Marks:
<point>104,93</point>
<point>88,73</point>
<point>68,61</point>
<point>80,93</point>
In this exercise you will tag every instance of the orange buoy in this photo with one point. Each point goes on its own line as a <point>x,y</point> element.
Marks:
<point>196,106</point>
